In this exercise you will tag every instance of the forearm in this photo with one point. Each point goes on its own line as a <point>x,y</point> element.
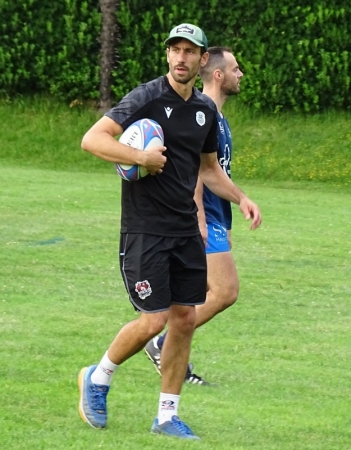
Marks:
<point>198,197</point>
<point>104,146</point>
<point>221,185</point>
<point>101,142</point>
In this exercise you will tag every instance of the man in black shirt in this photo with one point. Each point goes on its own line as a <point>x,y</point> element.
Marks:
<point>162,255</point>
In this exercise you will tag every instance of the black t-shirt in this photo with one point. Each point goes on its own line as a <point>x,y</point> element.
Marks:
<point>163,204</point>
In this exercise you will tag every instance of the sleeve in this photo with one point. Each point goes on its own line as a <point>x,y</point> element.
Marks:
<point>130,108</point>
<point>211,142</point>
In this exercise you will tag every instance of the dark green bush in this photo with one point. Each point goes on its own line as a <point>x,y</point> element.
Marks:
<point>49,47</point>
<point>294,57</point>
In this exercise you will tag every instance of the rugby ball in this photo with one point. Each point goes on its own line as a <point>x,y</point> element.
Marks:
<point>143,134</point>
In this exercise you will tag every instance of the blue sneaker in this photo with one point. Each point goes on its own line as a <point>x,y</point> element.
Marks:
<point>92,402</point>
<point>175,427</point>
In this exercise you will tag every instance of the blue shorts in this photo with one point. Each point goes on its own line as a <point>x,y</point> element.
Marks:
<point>217,239</point>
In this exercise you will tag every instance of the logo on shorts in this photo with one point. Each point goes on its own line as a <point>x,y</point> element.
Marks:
<point>220,233</point>
<point>200,118</point>
<point>143,289</point>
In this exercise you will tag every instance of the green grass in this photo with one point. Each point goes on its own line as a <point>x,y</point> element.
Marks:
<point>291,146</point>
<point>280,356</point>
<point>45,134</point>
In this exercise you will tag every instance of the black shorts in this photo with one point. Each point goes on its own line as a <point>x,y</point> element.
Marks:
<point>160,271</point>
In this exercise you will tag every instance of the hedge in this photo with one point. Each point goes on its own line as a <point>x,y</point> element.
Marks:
<point>294,57</point>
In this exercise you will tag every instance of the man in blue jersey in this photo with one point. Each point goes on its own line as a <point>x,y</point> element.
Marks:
<point>221,79</point>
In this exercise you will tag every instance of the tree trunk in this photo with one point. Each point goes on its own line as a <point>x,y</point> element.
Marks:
<point>108,52</point>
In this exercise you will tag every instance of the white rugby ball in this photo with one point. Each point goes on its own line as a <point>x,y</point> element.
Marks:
<point>143,134</point>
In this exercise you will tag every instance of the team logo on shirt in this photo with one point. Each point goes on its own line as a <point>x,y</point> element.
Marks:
<point>224,161</point>
<point>168,111</point>
<point>200,118</point>
<point>143,289</point>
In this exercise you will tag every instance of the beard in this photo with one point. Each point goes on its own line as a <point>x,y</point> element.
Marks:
<point>183,78</point>
<point>230,89</point>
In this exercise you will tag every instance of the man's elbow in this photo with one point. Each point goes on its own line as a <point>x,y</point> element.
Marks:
<point>85,143</point>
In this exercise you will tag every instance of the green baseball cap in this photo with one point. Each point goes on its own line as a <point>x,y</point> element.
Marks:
<point>190,32</point>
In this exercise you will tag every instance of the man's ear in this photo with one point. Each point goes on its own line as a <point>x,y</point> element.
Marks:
<point>204,59</point>
<point>218,75</point>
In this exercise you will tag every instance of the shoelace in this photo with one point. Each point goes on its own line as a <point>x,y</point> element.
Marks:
<point>99,398</point>
<point>181,426</point>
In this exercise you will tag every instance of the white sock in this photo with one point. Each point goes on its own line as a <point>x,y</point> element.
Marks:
<point>104,371</point>
<point>167,407</point>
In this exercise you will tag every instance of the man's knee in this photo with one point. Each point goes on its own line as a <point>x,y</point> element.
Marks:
<point>183,318</point>
<point>153,324</point>
<point>232,296</point>
<point>225,296</point>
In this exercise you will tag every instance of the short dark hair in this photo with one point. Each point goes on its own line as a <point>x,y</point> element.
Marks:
<point>176,40</point>
<point>215,61</point>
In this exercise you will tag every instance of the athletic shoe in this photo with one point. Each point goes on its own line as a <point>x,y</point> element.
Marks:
<point>174,427</point>
<point>154,353</point>
<point>192,378</point>
<point>92,402</point>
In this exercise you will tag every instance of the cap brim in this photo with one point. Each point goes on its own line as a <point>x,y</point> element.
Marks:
<point>185,36</point>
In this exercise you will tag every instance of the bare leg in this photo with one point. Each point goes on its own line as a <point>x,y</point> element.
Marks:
<point>133,336</point>
<point>223,282</point>
<point>176,349</point>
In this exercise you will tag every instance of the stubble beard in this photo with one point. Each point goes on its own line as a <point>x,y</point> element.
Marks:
<point>183,79</point>
<point>231,90</point>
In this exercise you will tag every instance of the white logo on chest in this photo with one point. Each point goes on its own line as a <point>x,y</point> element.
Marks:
<point>200,118</point>
<point>168,111</point>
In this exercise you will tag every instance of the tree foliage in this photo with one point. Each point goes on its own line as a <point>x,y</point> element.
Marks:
<point>295,56</point>
<point>49,47</point>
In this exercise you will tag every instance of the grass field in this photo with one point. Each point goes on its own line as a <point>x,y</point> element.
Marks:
<point>313,148</point>
<point>280,356</point>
